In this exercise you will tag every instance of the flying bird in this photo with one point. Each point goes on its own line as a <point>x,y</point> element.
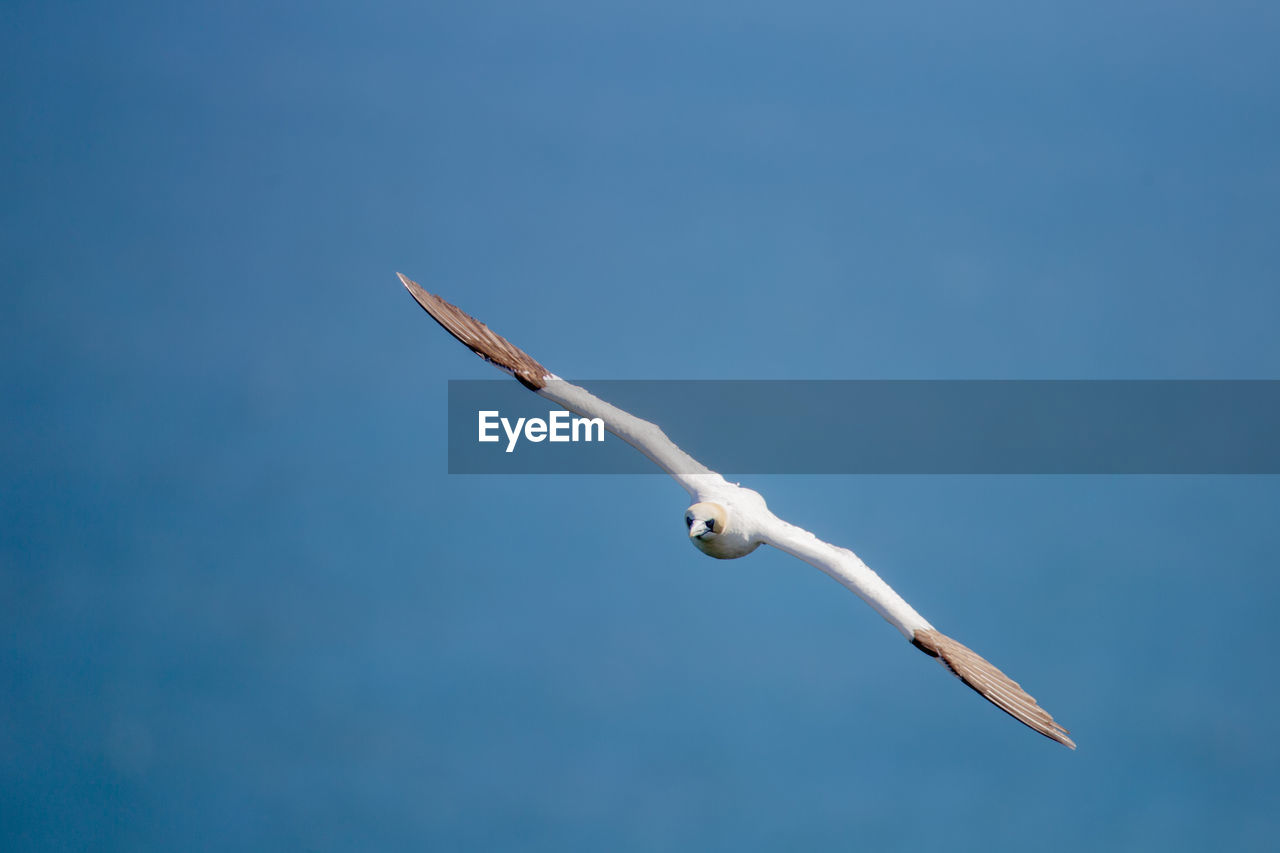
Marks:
<point>728,521</point>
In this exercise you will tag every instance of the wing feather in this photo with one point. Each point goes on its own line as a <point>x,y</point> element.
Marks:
<point>646,437</point>
<point>998,688</point>
<point>973,669</point>
<point>482,340</point>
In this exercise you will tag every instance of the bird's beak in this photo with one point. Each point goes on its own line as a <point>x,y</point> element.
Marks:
<point>698,528</point>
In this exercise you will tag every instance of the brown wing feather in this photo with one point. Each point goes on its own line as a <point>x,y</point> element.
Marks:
<point>482,340</point>
<point>1001,690</point>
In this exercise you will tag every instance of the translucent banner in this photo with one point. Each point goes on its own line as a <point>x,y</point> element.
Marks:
<point>881,427</point>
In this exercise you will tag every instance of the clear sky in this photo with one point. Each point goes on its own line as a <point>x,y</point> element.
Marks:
<point>245,607</point>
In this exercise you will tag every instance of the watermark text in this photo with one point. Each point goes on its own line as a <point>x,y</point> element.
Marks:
<point>558,426</point>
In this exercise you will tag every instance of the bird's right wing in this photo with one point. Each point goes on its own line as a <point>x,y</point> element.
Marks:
<point>966,664</point>
<point>644,436</point>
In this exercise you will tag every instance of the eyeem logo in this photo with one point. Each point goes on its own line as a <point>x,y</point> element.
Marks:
<point>558,426</point>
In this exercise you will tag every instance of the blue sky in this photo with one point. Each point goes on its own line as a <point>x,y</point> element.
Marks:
<point>246,607</point>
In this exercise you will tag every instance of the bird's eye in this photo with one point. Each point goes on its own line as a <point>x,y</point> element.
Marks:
<point>711,525</point>
<point>688,522</point>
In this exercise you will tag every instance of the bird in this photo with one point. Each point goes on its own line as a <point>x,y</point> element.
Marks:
<point>728,521</point>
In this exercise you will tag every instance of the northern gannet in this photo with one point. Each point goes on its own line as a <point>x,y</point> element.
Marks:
<point>727,521</point>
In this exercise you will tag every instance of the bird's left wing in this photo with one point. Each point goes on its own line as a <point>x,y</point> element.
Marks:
<point>646,437</point>
<point>970,667</point>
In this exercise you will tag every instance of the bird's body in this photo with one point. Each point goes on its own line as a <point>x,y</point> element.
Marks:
<point>727,521</point>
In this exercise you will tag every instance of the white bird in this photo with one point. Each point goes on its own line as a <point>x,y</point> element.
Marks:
<point>728,521</point>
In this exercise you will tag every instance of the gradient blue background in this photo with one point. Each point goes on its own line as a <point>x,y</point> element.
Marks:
<point>244,608</point>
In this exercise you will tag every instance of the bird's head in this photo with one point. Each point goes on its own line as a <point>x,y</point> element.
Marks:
<point>705,521</point>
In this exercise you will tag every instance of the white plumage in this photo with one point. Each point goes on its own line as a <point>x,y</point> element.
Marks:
<point>728,521</point>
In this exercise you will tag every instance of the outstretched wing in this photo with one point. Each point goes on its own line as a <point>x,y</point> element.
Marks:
<point>974,670</point>
<point>646,437</point>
